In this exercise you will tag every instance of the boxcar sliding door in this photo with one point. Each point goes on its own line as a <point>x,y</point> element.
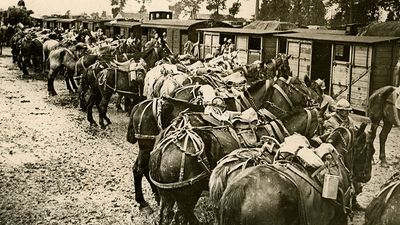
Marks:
<point>241,46</point>
<point>341,70</point>
<point>360,76</point>
<point>300,62</point>
<point>211,40</point>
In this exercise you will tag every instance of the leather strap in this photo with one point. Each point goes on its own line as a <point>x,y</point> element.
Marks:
<point>284,95</point>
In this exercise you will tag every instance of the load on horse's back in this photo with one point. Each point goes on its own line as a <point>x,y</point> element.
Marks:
<point>252,198</point>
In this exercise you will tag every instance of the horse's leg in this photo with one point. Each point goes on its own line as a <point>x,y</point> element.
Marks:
<point>387,126</point>
<point>185,213</point>
<point>25,63</point>
<point>103,109</point>
<point>90,103</point>
<point>118,103</point>
<point>166,212</point>
<point>50,80</point>
<point>70,75</point>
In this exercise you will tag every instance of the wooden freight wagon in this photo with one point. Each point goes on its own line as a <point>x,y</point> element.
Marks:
<point>49,23</point>
<point>352,66</point>
<point>178,31</point>
<point>123,28</point>
<point>65,23</point>
<point>253,44</point>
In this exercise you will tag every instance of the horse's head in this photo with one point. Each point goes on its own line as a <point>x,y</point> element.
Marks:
<point>138,70</point>
<point>356,152</point>
<point>363,154</point>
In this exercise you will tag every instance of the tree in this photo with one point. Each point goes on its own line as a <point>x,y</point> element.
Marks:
<point>68,13</point>
<point>275,10</point>
<point>216,6</point>
<point>104,14</point>
<point>234,10</point>
<point>18,15</point>
<point>393,9</point>
<point>188,7</point>
<point>117,6</point>
<point>143,7</point>
<point>354,11</point>
<point>95,15</point>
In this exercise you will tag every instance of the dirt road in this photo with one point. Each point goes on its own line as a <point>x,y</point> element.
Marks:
<point>55,169</point>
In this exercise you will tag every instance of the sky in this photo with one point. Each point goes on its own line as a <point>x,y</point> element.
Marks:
<point>47,7</point>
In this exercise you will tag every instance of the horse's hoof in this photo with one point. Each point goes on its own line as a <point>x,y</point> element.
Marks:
<point>103,127</point>
<point>147,210</point>
<point>71,92</point>
<point>120,110</point>
<point>384,164</point>
<point>93,124</point>
<point>51,93</point>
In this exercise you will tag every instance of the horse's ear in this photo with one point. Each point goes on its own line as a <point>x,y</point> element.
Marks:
<point>361,130</point>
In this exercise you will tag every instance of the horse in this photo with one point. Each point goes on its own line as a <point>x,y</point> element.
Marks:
<point>110,80</point>
<point>61,60</point>
<point>183,158</point>
<point>383,209</point>
<point>25,49</point>
<point>156,114</point>
<point>37,54</point>
<point>382,107</point>
<point>48,46</point>
<point>3,37</point>
<point>268,193</point>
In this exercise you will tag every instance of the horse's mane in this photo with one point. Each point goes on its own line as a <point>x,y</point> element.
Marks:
<point>256,85</point>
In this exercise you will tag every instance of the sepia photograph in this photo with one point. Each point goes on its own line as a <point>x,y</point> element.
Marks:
<point>199,112</point>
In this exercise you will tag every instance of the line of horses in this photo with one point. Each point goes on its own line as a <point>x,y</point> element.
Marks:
<point>184,151</point>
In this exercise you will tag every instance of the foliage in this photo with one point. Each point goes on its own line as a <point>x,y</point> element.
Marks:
<point>234,10</point>
<point>354,11</point>
<point>303,12</point>
<point>117,6</point>
<point>392,7</point>
<point>142,9</point>
<point>104,14</point>
<point>188,7</point>
<point>216,6</point>
<point>95,15</point>
<point>275,10</point>
<point>18,15</point>
<point>68,13</point>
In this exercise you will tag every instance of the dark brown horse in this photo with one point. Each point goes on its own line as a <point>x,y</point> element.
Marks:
<point>280,194</point>
<point>382,107</point>
<point>182,160</point>
<point>384,208</point>
<point>113,80</point>
<point>146,121</point>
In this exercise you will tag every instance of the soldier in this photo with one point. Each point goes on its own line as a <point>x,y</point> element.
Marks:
<point>340,118</point>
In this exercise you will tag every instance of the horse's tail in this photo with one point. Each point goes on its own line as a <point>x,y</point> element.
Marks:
<point>231,202</point>
<point>217,183</point>
<point>130,135</point>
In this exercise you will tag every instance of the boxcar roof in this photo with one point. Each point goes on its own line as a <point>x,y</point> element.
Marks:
<point>242,31</point>
<point>122,24</point>
<point>338,38</point>
<point>65,20</point>
<point>174,23</point>
<point>49,19</point>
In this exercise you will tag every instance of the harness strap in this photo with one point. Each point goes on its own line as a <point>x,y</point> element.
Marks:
<point>308,122</point>
<point>245,100</point>
<point>157,113</point>
<point>284,95</point>
<point>141,117</point>
<point>391,187</point>
<point>277,131</point>
<point>179,184</point>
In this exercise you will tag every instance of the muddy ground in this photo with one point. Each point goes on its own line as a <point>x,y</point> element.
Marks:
<point>55,169</point>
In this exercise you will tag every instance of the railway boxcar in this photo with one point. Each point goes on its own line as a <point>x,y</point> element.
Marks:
<point>352,66</point>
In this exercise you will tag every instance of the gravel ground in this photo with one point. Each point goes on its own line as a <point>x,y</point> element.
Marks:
<point>55,169</point>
